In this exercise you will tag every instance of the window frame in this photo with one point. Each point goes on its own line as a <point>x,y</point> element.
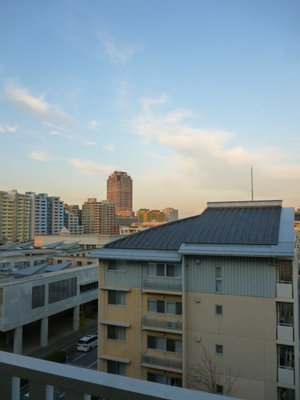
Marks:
<point>219,278</point>
<point>219,350</point>
<point>115,334</point>
<point>117,302</point>
<point>219,310</point>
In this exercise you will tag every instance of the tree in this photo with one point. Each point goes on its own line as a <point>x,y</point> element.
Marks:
<point>204,375</point>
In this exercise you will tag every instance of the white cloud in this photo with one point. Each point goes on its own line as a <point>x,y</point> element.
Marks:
<point>109,147</point>
<point>55,133</point>
<point>93,125</point>
<point>39,156</point>
<point>2,130</point>
<point>117,54</point>
<point>87,143</point>
<point>36,106</point>
<point>89,168</point>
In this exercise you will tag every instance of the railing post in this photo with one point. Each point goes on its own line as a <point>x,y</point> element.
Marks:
<point>15,388</point>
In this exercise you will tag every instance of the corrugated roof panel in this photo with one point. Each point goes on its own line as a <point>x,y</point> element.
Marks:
<point>236,225</point>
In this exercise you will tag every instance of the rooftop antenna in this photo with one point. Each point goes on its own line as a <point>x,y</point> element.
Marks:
<point>251,183</point>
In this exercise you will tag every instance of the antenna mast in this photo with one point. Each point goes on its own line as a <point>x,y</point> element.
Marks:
<point>251,183</point>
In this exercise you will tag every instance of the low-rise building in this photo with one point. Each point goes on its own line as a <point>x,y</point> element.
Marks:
<point>224,284</point>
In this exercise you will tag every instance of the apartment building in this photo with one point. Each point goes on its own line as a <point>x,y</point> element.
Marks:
<point>99,217</point>
<point>6,217</point>
<point>55,215</point>
<point>225,282</point>
<point>170,214</point>
<point>119,192</point>
<point>145,215</point>
<point>70,222</point>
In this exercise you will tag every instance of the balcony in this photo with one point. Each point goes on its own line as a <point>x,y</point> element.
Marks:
<point>285,333</point>
<point>284,289</point>
<point>173,364</point>
<point>162,283</point>
<point>161,324</point>
<point>79,383</point>
<point>286,376</point>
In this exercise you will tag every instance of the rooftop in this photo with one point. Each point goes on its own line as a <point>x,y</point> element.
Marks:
<point>230,223</point>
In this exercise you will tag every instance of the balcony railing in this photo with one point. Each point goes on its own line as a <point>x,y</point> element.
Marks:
<point>284,289</point>
<point>163,283</point>
<point>286,375</point>
<point>173,363</point>
<point>285,332</point>
<point>80,383</point>
<point>160,323</point>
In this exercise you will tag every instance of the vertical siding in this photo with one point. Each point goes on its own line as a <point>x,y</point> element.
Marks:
<point>241,276</point>
<point>130,277</point>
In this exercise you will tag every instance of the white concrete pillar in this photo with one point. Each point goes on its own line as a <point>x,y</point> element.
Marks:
<point>44,332</point>
<point>18,340</point>
<point>76,316</point>
<point>15,388</point>
<point>49,392</point>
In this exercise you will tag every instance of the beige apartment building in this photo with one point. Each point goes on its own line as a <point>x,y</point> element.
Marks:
<point>224,283</point>
<point>119,192</point>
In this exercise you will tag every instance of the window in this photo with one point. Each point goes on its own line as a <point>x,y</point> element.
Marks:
<point>38,296</point>
<point>168,270</point>
<point>219,389</point>
<point>116,265</point>
<point>219,288</point>
<point>167,380</point>
<point>79,263</point>
<point>165,344</point>
<point>59,261</point>
<point>219,350</point>
<point>219,310</point>
<point>116,297</point>
<point>88,287</point>
<point>116,333</point>
<point>62,290</point>
<point>115,367</point>
<point>90,263</point>
<point>165,307</point>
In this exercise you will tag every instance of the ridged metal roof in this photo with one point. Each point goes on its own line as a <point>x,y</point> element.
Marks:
<point>240,226</point>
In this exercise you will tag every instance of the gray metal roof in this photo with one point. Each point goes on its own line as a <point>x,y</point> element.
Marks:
<point>137,255</point>
<point>30,270</point>
<point>257,225</point>
<point>58,267</point>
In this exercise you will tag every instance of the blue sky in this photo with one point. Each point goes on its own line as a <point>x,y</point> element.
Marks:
<point>182,95</point>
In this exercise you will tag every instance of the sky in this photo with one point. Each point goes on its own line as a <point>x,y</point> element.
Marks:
<point>184,96</point>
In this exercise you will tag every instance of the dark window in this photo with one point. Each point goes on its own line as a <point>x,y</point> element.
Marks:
<point>160,270</point>
<point>117,368</point>
<point>151,342</point>
<point>38,296</point>
<point>62,290</point>
<point>88,287</point>
<point>112,265</point>
<point>219,389</point>
<point>170,270</point>
<point>219,310</point>
<point>171,345</point>
<point>178,308</point>
<point>219,349</point>
<point>160,306</point>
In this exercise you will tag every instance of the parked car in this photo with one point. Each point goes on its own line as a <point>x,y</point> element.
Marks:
<point>87,343</point>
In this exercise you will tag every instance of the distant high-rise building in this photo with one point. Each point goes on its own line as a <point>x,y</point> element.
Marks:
<point>75,210</point>
<point>171,214</point>
<point>55,215</point>
<point>119,192</point>
<point>38,225</point>
<point>98,217</point>
<point>144,215</point>
<point>15,211</point>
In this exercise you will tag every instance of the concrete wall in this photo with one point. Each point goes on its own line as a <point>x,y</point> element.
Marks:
<point>17,307</point>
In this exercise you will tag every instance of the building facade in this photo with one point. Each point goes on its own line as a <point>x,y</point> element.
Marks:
<point>119,192</point>
<point>170,214</point>
<point>99,217</point>
<point>224,283</point>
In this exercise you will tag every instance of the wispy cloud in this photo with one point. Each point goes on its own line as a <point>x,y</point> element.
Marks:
<point>2,130</point>
<point>88,143</point>
<point>9,128</point>
<point>109,147</point>
<point>201,157</point>
<point>55,133</point>
<point>37,107</point>
<point>117,54</point>
<point>93,125</point>
<point>39,156</point>
<point>89,168</point>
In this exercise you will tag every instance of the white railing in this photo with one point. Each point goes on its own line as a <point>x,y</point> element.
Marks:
<point>163,283</point>
<point>160,323</point>
<point>172,363</point>
<point>79,383</point>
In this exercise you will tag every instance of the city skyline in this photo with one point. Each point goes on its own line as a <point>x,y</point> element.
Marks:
<point>185,97</point>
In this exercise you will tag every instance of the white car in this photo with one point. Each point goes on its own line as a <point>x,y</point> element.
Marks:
<point>87,343</point>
